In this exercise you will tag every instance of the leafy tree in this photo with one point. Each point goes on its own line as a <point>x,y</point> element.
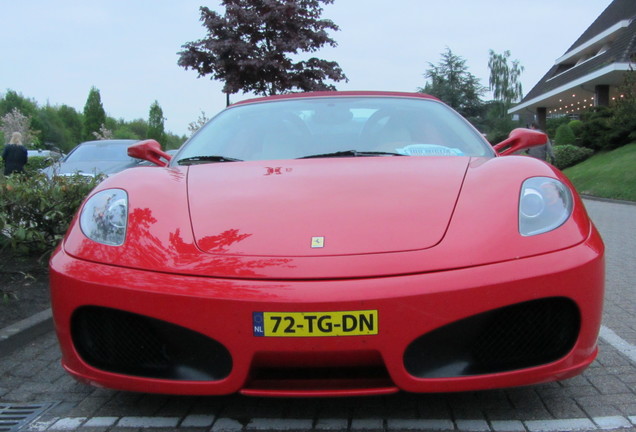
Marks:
<point>250,47</point>
<point>138,127</point>
<point>13,100</point>
<point>72,121</point>
<point>103,133</point>
<point>174,141</point>
<point>497,127</point>
<point>53,130</point>
<point>451,82</point>
<point>15,121</point>
<point>94,115</point>
<point>198,123</point>
<point>623,123</point>
<point>504,80</point>
<point>155,123</point>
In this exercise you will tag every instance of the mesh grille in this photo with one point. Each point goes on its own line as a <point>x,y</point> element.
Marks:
<point>514,337</point>
<point>132,344</point>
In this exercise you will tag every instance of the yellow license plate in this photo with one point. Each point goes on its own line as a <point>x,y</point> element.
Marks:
<point>307,324</point>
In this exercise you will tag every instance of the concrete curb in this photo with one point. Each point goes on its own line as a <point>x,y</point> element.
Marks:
<point>607,200</point>
<point>19,334</point>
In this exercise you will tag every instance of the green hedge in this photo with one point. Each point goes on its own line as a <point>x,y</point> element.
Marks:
<point>35,211</point>
<point>569,155</point>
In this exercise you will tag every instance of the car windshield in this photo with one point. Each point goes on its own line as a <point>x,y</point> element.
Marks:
<point>100,151</point>
<point>334,127</point>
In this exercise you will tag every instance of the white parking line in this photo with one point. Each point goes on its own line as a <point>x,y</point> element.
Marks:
<point>619,343</point>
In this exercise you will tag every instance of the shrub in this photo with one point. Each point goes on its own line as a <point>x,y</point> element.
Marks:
<point>596,128</point>
<point>35,211</point>
<point>564,135</point>
<point>553,123</point>
<point>576,126</point>
<point>36,163</point>
<point>568,155</point>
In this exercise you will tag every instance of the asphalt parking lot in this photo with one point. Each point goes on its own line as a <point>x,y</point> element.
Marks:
<point>36,394</point>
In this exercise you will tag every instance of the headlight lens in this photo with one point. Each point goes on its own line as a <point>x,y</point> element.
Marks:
<point>545,204</point>
<point>104,217</point>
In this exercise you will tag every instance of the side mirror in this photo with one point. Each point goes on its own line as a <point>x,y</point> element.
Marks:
<point>520,139</point>
<point>149,150</point>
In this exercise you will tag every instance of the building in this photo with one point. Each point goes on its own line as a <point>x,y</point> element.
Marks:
<point>590,72</point>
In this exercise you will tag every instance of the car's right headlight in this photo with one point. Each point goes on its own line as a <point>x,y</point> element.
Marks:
<point>104,218</point>
<point>545,204</point>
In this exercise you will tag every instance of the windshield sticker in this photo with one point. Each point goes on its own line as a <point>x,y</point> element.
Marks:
<point>429,150</point>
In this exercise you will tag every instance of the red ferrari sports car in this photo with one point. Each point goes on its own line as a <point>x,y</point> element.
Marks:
<point>330,244</point>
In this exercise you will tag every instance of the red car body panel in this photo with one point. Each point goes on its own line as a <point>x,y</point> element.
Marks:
<point>426,242</point>
<point>167,244</point>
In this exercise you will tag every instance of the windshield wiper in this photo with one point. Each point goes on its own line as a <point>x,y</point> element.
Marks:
<point>351,153</point>
<point>194,160</point>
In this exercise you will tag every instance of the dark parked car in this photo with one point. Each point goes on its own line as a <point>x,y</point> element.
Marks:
<point>47,154</point>
<point>96,157</point>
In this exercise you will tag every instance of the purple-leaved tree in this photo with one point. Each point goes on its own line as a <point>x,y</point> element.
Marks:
<point>255,47</point>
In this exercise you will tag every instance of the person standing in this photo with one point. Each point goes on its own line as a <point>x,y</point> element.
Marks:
<point>15,155</point>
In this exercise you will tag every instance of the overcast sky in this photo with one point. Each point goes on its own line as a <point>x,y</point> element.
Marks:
<point>55,51</point>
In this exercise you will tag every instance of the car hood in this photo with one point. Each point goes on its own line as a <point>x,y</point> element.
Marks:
<point>345,206</point>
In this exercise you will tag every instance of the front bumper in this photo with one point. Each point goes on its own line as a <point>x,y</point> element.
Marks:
<point>427,318</point>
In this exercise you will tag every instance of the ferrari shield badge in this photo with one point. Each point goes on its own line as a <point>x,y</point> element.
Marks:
<point>317,242</point>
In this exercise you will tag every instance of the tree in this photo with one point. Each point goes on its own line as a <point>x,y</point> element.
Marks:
<point>73,123</point>
<point>249,47</point>
<point>451,82</point>
<point>623,123</point>
<point>504,80</point>
<point>53,131</point>
<point>94,115</point>
<point>155,123</point>
<point>198,124</point>
<point>12,100</point>
<point>103,133</point>
<point>15,121</point>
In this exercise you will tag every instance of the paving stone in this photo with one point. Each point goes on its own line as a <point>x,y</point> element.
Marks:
<point>102,422</point>
<point>226,425</point>
<point>197,420</point>
<point>367,424</point>
<point>148,422</point>
<point>580,424</point>
<point>68,423</point>
<point>507,426</point>
<point>420,424</point>
<point>41,424</point>
<point>472,425</point>
<point>331,424</point>
<point>612,422</point>
<point>278,424</point>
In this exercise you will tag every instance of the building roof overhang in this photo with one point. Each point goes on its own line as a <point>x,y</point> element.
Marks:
<point>578,92</point>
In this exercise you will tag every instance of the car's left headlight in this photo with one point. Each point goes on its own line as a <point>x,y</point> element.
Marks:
<point>104,217</point>
<point>544,204</point>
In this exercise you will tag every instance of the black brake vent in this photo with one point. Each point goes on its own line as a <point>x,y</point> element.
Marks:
<point>514,337</point>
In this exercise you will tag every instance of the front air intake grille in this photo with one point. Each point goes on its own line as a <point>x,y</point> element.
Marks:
<point>510,338</point>
<point>131,344</point>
